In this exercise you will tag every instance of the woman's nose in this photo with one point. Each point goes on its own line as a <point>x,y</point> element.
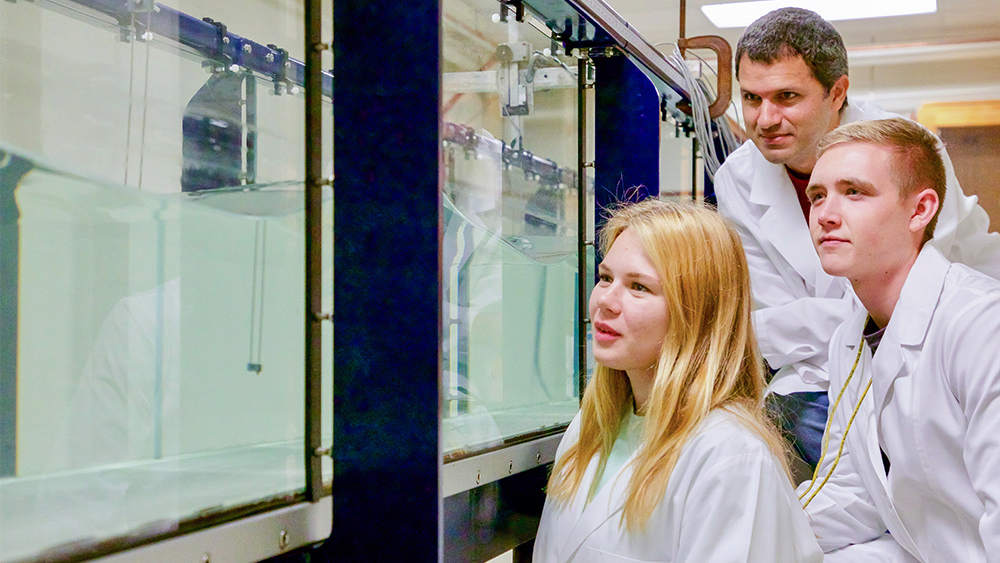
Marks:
<point>607,298</point>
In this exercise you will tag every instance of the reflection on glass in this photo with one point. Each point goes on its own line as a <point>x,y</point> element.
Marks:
<point>151,266</point>
<point>509,230</point>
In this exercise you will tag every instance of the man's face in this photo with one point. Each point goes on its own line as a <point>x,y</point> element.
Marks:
<point>860,225</point>
<point>786,110</point>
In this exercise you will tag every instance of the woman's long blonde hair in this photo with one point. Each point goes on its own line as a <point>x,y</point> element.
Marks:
<point>708,360</point>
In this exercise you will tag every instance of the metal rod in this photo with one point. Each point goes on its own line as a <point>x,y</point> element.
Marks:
<point>680,33</point>
<point>581,219</point>
<point>313,249</point>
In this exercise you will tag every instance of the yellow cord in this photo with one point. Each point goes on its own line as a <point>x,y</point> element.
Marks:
<point>826,432</point>
<point>836,460</point>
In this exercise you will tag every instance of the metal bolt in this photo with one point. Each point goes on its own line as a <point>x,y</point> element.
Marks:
<point>225,40</point>
<point>538,457</point>
<point>510,467</point>
<point>269,57</point>
<point>282,540</point>
<point>479,476</point>
<point>247,48</point>
<point>234,67</point>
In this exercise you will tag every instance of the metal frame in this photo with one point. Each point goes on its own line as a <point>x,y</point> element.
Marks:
<point>12,169</point>
<point>314,315</point>
<point>471,472</point>
<point>249,539</point>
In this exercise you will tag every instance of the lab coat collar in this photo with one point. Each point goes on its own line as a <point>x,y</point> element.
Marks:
<point>782,221</point>
<point>608,502</point>
<point>911,319</point>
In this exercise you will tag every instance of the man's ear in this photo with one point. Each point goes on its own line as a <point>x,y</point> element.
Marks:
<point>925,206</point>
<point>839,91</point>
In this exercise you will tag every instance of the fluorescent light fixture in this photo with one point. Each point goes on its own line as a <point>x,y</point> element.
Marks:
<point>742,14</point>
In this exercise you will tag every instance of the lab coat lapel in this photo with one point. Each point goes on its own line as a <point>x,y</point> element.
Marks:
<point>782,223</point>
<point>911,319</point>
<point>606,504</point>
<point>863,437</point>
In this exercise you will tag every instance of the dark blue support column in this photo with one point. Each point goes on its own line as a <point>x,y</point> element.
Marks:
<point>626,134</point>
<point>12,169</point>
<point>387,269</point>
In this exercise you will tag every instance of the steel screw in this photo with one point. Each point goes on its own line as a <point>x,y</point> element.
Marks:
<point>282,539</point>
<point>510,467</point>
<point>538,457</point>
<point>225,40</point>
<point>269,57</point>
<point>247,48</point>
<point>479,476</point>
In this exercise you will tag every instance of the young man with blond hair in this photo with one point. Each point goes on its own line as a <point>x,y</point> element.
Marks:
<point>791,65</point>
<point>912,447</point>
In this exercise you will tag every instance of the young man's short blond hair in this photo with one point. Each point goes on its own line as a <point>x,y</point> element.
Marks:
<point>919,164</point>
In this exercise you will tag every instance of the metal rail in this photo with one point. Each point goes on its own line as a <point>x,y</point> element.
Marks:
<point>206,36</point>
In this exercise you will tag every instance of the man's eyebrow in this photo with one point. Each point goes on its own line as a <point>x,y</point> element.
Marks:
<point>855,182</point>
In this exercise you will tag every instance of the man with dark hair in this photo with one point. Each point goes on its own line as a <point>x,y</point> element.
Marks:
<point>908,469</point>
<point>791,65</point>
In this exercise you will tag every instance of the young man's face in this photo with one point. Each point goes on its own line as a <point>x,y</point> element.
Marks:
<point>786,110</point>
<point>861,227</point>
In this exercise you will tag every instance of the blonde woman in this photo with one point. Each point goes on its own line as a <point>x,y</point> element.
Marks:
<point>671,457</point>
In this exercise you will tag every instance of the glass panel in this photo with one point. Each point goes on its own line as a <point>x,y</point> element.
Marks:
<point>509,241</point>
<point>151,229</point>
<point>679,169</point>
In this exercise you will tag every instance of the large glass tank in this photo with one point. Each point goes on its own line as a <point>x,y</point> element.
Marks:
<point>152,276</point>
<point>509,247</point>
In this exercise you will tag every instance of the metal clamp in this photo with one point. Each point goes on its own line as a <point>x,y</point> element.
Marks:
<point>222,38</point>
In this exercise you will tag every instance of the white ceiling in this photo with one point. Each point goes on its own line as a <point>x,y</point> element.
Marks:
<point>899,62</point>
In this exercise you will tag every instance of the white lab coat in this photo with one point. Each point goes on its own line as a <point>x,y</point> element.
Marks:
<point>934,406</point>
<point>798,305</point>
<point>727,500</point>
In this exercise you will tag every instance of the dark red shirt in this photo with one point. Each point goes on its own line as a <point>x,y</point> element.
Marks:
<point>800,182</point>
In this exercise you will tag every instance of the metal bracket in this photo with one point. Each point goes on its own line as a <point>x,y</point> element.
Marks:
<point>222,38</point>
<point>280,76</point>
<point>128,26</point>
<point>516,94</point>
<point>518,6</point>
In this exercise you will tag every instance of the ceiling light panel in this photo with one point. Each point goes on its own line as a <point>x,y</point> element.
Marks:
<point>742,14</point>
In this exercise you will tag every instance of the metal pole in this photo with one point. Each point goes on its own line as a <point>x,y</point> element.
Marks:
<point>583,280</point>
<point>313,249</point>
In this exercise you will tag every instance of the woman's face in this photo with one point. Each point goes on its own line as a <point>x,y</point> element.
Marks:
<point>627,309</point>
